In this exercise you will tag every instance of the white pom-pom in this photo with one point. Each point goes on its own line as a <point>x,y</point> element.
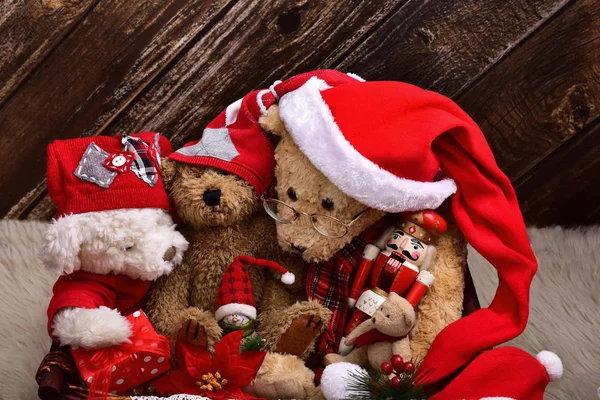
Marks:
<point>552,363</point>
<point>335,379</point>
<point>288,278</point>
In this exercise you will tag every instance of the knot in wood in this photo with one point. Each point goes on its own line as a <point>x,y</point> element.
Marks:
<point>289,21</point>
<point>574,109</point>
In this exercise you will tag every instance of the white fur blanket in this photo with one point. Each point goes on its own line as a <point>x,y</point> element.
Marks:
<point>564,306</point>
<point>25,290</point>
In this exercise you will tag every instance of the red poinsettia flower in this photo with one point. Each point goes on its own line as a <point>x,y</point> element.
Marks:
<point>217,376</point>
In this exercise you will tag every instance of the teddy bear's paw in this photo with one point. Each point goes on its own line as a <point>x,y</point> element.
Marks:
<point>90,328</point>
<point>283,376</point>
<point>309,319</point>
<point>193,333</point>
<point>198,328</point>
<point>299,335</point>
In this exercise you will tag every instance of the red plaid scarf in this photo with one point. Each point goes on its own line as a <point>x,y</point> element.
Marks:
<point>329,282</point>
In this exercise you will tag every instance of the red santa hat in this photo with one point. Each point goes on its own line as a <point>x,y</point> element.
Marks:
<point>107,173</point>
<point>235,292</point>
<point>396,147</point>
<point>504,373</point>
<point>235,142</point>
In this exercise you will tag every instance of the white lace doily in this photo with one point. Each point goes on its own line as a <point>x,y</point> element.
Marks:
<point>174,397</point>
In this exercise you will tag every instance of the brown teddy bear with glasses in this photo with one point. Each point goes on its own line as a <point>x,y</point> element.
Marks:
<point>322,223</point>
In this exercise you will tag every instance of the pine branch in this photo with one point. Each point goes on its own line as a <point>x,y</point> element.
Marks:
<point>375,385</point>
<point>252,343</point>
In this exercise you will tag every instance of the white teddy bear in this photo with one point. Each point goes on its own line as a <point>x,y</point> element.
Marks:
<point>113,235</point>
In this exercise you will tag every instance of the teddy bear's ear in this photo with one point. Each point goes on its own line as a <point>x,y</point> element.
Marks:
<point>62,243</point>
<point>169,169</point>
<point>272,123</point>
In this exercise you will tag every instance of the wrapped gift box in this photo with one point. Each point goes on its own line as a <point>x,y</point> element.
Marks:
<point>119,369</point>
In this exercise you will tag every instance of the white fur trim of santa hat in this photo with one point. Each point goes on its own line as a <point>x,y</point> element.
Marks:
<point>309,121</point>
<point>552,363</point>
<point>235,308</point>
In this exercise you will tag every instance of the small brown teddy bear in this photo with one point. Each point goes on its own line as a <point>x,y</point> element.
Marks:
<point>393,319</point>
<point>214,184</point>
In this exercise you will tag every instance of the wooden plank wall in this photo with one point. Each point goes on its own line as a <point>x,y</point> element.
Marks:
<point>527,71</point>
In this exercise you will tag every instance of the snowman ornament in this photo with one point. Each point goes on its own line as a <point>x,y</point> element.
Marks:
<point>235,300</point>
<point>240,322</point>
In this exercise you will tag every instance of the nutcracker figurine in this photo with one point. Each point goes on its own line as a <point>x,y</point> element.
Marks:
<point>398,266</point>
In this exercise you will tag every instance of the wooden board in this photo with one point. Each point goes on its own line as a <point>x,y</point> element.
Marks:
<point>527,71</point>
<point>30,30</point>
<point>211,75</point>
<point>544,93</point>
<point>182,103</point>
<point>101,67</point>
<point>242,53</point>
<point>563,189</point>
<point>444,45</point>
<point>202,82</point>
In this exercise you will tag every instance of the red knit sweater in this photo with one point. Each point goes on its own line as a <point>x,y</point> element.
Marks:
<point>88,290</point>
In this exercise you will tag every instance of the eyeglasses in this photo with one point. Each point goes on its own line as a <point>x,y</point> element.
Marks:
<point>324,224</point>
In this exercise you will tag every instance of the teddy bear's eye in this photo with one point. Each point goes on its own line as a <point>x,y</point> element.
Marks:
<point>327,204</point>
<point>292,194</point>
<point>128,248</point>
<point>388,315</point>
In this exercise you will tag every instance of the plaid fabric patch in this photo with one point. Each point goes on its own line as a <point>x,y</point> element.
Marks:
<point>329,283</point>
<point>143,164</point>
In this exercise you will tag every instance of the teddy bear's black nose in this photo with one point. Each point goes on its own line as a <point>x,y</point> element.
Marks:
<point>212,197</point>
<point>170,254</point>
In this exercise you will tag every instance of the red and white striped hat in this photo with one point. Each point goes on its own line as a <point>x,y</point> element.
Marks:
<point>395,147</point>
<point>235,292</point>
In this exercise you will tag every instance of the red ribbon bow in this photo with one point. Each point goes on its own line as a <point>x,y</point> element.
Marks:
<point>227,365</point>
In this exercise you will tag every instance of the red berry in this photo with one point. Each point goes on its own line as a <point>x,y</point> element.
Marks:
<point>409,367</point>
<point>396,381</point>
<point>397,362</point>
<point>387,368</point>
